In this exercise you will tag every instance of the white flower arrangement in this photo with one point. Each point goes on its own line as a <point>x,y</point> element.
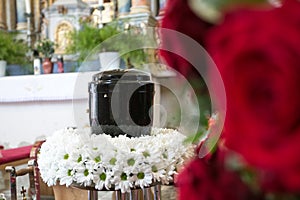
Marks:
<point>75,156</point>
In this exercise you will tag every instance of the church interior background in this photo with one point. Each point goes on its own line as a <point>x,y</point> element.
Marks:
<point>41,104</point>
<point>216,59</point>
<point>35,20</point>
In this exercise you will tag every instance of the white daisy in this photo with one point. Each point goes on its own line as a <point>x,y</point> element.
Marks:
<point>77,156</point>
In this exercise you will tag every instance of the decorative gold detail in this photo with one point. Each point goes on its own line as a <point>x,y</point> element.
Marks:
<point>2,15</point>
<point>61,38</point>
<point>62,10</point>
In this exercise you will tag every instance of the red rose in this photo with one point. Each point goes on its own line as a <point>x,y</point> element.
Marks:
<point>206,179</point>
<point>179,17</point>
<point>258,55</point>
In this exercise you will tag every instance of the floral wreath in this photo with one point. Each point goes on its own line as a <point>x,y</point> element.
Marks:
<point>75,156</point>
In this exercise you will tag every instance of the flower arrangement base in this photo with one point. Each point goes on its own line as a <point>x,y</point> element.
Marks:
<point>61,192</point>
<point>137,194</point>
<point>148,193</point>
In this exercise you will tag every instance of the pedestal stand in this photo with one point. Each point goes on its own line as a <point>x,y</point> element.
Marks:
<point>92,195</point>
<point>134,194</point>
<point>28,17</point>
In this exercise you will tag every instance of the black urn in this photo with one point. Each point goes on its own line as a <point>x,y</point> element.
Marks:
<point>120,103</point>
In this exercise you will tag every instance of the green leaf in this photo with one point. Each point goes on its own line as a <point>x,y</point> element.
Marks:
<point>46,47</point>
<point>194,139</point>
<point>12,50</point>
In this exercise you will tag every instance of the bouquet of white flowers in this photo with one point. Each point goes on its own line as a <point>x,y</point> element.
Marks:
<point>75,156</point>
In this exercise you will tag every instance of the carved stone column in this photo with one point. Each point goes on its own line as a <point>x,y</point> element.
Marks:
<point>2,15</point>
<point>11,15</point>
<point>21,19</point>
<point>51,2</point>
<point>124,7</point>
<point>36,19</point>
<point>154,7</point>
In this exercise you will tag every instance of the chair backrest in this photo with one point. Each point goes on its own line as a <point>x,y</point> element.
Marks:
<point>36,186</point>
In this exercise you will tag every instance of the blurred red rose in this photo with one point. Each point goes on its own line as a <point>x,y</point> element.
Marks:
<point>179,17</point>
<point>208,178</point>
<point>258,55</point>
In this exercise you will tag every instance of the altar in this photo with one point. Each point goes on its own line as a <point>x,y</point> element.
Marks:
<point>32,107</point>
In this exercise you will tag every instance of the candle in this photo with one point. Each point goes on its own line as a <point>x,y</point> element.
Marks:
<point>28,6</point>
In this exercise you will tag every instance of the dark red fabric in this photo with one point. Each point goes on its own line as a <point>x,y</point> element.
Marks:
<point>14,154</point>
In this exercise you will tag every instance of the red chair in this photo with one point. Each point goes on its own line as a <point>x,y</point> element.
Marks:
<point>19,156</point>
<point>15,156</point>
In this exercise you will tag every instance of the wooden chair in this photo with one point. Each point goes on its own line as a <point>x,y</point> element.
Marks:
<point>37,188</point>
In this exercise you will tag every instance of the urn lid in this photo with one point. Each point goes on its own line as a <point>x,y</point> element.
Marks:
<point>122,75</point>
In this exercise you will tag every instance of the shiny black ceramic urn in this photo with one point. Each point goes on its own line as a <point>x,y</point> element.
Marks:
<point>120,102</point>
